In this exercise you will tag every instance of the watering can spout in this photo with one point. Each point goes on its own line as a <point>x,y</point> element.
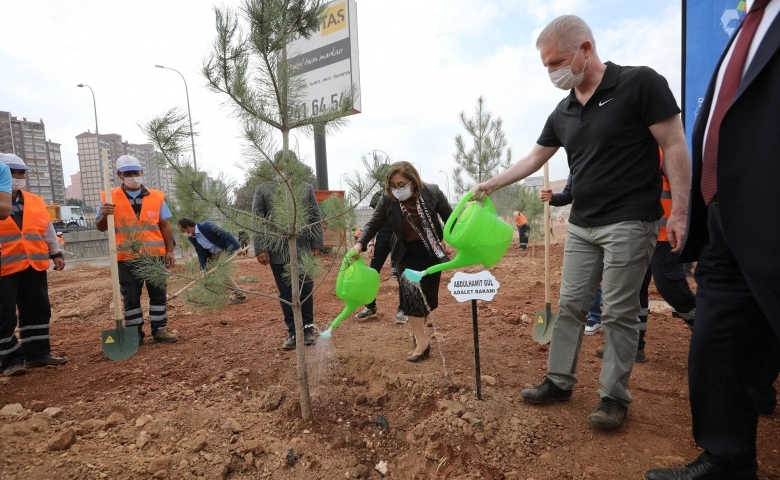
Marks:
<point>349,307</point>
<point>462,259</point>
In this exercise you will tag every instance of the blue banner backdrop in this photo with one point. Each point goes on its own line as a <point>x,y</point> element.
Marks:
<point>707,27</point>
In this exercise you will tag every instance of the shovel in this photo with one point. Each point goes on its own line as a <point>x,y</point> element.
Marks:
<point>544,321</point>
<point>119,343</point>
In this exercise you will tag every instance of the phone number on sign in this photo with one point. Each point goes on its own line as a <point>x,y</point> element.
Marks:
<point>319,106</point>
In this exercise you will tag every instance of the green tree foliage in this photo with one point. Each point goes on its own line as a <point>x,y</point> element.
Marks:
<point>75,202</point>
<point>247,67</point>
<point>485,157</point>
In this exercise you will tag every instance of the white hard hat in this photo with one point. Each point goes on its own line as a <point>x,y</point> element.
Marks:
<point>13,161</point>
<point>128,163</point>
<point>59,233</point>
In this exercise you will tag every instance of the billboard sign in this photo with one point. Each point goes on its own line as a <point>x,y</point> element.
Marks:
<point>707,28</point>
<point>328,60</point>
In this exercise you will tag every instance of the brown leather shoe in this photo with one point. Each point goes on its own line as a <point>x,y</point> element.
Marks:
<point>609,413</point>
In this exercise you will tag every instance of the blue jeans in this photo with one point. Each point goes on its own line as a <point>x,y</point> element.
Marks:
<point>594,315</point>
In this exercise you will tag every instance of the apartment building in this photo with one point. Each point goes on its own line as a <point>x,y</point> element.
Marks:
<point>74,189</point>
<point>156,174</point>
<point>27,139</point>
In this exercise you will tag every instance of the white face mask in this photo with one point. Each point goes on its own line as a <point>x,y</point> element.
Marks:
<point>18,184</point>
<point>402,193</point>
<point>133,182</point>
<point>565,79</point>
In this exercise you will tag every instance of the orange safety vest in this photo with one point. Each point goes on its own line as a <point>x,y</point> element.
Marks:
<point>520,220</point>
<point>666,202</point>
<point>26,247</point>
<point>136,234</point>
<point>61,242</point>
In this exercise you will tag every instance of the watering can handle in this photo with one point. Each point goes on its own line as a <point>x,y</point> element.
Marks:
<point>462,204</point>
<point>348,259</point>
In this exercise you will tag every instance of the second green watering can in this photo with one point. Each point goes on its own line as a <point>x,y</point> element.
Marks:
<point>357,284</point>
<point>480,236</point>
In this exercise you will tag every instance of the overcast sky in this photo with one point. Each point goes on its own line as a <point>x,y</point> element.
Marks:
<point>421,63</point>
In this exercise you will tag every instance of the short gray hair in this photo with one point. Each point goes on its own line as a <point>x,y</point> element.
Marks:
<point>568,31</point>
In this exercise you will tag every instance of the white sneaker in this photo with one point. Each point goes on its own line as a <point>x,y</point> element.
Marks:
<point>592,328</point>
<point>400,317</point>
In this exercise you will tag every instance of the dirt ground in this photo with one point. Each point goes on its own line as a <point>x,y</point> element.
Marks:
<point>222,402</point>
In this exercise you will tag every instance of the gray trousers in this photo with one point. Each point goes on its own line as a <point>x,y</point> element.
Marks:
<point>616,255</point>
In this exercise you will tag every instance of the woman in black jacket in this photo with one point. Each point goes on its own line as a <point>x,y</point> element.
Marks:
<point>411,207</point>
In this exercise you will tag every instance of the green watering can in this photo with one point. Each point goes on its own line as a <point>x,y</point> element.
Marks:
<point>357,284</point>
<point>480,236</point>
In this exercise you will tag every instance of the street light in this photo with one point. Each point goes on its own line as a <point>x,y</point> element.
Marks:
<point>448,184</point>
<point>106,183</point>
<point>189,114</point>
<point>116,300</point>
<point>419,169</point>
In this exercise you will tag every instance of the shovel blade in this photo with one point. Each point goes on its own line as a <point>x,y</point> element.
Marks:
<point>543,327</point>
<point>120,343</point>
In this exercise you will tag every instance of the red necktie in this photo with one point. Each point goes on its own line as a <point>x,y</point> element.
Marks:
<point>728,88</point>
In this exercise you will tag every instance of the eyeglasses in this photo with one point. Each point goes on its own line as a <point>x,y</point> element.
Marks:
<point>399,187</point>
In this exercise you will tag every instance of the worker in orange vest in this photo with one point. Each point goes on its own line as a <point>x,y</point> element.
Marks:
<point>5,192</point>
<point>61,240</point>
<point>141,222</point>
<point>29,242</point>
<point>522,228</point>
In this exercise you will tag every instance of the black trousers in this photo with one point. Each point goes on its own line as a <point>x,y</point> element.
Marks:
<point>27,291</point>
<point>670,280</point>
<point>131,288</point>
<point>285,293</point>
<point>730,347</point>
<point>382,250</point>
<point>523,231</point>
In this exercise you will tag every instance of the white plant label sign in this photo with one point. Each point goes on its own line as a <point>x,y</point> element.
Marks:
<point>473,286</point>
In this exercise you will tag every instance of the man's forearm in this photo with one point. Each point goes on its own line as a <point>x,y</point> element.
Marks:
<point>678,171</point>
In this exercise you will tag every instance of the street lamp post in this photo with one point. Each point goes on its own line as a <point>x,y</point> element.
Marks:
<point>114,267</point>
<point>189,114</point>
<point>448,185</point>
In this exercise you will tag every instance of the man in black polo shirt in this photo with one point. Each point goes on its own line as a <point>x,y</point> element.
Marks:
<point>611,125</point>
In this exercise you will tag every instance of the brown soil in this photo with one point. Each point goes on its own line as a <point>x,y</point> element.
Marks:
<point>222,402</point>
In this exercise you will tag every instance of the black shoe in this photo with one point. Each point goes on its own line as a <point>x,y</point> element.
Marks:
<point>545,392</point>
<point>15,370</point>
<point>699,469</point>
<point>308,336</point>
<point>425,354</point>
<point>609,413</point>
<point>289,344</point>
<point>45,361</point>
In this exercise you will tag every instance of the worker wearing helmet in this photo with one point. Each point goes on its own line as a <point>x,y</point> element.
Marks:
<point>142,226</point>
<point>29,243</point>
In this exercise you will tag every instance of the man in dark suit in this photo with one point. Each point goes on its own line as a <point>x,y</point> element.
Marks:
<point>735,167</point>
<point>210,241</point>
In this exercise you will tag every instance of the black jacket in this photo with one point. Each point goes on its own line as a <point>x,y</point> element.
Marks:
<point>214,234</point>
<point>564,198</point>
<point>388,212</point>
<point>748,170</point>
